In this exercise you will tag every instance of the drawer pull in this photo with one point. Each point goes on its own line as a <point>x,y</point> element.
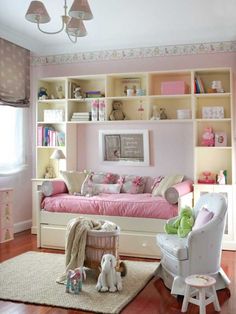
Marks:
<point>144,244</point>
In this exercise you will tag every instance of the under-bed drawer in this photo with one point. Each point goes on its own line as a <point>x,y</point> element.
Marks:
<point>53,236</point>
<point>134,244</point>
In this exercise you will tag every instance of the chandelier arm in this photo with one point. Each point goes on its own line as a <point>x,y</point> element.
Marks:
<point>74,41</point>
<point>52,33</point>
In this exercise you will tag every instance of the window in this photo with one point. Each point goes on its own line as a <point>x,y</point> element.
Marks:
<point>12,143</point>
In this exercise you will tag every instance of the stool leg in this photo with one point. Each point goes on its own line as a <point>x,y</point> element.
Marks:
<point>202,300</point>
<point>216,301</point>
<point>186,299</point>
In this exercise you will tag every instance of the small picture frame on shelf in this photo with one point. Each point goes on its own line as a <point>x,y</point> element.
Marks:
<point>220,139</point>
<point>130,86</point>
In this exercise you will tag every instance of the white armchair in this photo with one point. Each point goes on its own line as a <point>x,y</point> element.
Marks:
<point>199,252</point>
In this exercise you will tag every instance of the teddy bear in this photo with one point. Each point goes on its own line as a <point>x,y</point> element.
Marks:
<point>77,92</point>
<point>117,112</point>
<point>208,137</point>
<point>42,94</point>
<point>49,174</point>
<point>182,225</point>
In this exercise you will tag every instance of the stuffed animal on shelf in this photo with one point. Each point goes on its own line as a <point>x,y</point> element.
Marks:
<point>77,92</point>
<point>117,112</point>
<point>208,137</point>
<point>74,280</point>
<point>182,225</point>
<point>109,279</point>
<point>49,174</point>
<point>42,94</point>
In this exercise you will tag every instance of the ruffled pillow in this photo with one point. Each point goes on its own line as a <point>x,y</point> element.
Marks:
<point>132,184</point>
<point>104,177</point>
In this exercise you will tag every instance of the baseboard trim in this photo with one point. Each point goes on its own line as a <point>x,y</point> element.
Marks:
<point>22,226</point>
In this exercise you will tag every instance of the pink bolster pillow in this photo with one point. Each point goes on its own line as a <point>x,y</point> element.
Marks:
<point>50,188</point>
<point>173,193</point>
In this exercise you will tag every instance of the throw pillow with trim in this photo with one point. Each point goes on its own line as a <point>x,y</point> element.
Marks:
<point>132,184</point>
<point>104,177</point>
<point>165,183</point>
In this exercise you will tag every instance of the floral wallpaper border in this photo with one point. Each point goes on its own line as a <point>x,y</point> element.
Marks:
<point>133,53</point>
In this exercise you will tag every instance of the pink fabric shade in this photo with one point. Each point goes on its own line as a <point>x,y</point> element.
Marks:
<point>37,13</point>
<point>50,188</point>
<point>173,193</point>
<point>80,9</point>
<point>76,27</point>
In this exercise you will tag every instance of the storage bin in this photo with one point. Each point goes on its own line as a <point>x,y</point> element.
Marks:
<point>183,114</point>
<point>174,88</point>
<point>100,242</point>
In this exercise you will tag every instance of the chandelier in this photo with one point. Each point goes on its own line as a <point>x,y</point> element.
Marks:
<point>72,23</point>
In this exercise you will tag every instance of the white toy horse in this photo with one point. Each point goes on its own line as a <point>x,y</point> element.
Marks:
<point>109,279</point>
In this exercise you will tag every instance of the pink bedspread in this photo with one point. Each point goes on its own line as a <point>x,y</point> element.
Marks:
<point>123,204</point>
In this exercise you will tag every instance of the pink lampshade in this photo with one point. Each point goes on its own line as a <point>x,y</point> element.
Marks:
<point>37,13</point>
<point>76,28</point>
<point>80,9</point>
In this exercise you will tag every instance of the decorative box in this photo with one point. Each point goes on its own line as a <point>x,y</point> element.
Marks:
<point>174,88</point>
<point>53,115</point>
<point>214,112</point>
<point>220,139</point>
<point>183,114</point>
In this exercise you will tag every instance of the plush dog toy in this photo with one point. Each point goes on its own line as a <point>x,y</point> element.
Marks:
<point>182,225</point>
<point>109,279</point>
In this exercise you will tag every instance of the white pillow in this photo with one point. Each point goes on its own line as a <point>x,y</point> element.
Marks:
<point>165,183</point>
<point>73,180</point>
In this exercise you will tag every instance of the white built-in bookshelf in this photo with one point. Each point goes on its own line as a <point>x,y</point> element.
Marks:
<point>197,101</point>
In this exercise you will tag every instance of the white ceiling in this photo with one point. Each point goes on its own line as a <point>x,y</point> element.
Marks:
<point>123,24</point>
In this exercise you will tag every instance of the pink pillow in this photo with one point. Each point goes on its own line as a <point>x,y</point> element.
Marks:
<point>50,188</point>
<point>132,184</point>
<point>173,193</point>
<point>204,216</point>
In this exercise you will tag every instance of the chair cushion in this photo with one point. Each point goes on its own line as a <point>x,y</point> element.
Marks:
<point>174,245</point>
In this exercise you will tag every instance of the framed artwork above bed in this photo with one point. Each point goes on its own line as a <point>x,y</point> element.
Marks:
<point>124,147</point>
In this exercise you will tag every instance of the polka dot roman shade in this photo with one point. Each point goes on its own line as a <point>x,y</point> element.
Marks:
<point>14,74</point>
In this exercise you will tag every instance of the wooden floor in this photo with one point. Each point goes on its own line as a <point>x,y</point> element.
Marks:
<point>153,299</point>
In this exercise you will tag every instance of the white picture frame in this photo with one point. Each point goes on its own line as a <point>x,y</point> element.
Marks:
<point>124,147</point>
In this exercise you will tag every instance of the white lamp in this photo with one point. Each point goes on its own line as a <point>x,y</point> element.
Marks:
<point>58,155</point>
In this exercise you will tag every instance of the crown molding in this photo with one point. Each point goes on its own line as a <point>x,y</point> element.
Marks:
<point>134,53</point>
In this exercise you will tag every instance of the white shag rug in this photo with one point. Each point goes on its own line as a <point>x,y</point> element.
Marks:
<point>31,278</point>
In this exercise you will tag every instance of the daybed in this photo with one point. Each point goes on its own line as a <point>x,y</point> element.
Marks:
<point>140,216</point>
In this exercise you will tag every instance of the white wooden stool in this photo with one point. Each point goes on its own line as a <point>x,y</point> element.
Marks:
<point>200,284</point>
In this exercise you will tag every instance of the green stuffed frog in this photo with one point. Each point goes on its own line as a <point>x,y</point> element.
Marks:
<point>182,225</point>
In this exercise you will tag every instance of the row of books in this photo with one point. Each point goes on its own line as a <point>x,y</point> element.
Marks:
<point>199,87</point>
<point>81,116</point>
<point>48,136</point>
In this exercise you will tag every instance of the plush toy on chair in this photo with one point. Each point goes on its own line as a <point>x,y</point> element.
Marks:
<point>182,225</point>
<point>109,279</point>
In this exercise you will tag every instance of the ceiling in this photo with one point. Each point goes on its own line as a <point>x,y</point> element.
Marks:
<point>121,24</point>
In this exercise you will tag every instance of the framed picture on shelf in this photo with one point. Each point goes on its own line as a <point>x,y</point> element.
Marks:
<point>124,147</point>
<point>129,86</point>
<point>220,139</point>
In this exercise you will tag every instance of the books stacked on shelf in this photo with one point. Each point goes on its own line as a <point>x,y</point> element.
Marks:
<point>199,87</point>
<point>81,116</point>
<point>93,94</point>
<point>48,136</point>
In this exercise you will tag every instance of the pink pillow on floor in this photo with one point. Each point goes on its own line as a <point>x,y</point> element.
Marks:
<point>203,217</point>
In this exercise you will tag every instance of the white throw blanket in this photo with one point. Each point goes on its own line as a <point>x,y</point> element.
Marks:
<point>76,236</point>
